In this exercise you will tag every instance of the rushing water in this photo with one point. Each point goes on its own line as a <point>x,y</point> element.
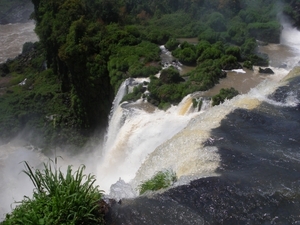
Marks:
<point>237,163</point>
<point>12,38</point>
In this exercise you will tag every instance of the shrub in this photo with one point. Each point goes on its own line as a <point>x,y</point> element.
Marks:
<point>249,47</point>
<point>172,44</point>
<point>170,75</point>
<point>235,51</point>
<point>248,64</point>
<point>186,54</point>
<point>58,199</point>
<point>160,180</point>
<point>209,35</point>
<point>225,93</point>
<point>135,94</point>
<point>229,62</point>
<point>210,53</point>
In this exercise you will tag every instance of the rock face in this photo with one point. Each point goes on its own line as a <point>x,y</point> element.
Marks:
<point>232,66</point>
<point>16,12</point>
<point>4,70</point>
<point>266,70</point>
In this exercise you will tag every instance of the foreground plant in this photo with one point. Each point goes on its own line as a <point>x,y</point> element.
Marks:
<point>160,180</point>
<point>59,199</point>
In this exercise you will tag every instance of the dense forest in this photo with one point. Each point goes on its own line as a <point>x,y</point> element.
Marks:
<point>88,48</point>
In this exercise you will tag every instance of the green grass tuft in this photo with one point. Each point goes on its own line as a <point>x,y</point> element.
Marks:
<point>160,180</point>
<point>59,199</point>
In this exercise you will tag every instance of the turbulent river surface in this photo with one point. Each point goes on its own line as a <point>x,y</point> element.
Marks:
<point>12,38</point>
<point>237,163</point>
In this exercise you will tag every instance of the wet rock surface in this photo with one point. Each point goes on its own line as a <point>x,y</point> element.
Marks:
<point>266,70</point>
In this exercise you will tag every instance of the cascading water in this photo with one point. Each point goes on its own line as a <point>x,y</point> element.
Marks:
<point>237,163</point>
<point>140,135</point>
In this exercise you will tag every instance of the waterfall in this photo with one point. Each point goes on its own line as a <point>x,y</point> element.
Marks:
<point>147,142</point>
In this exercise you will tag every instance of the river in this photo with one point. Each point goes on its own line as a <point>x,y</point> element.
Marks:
<point>237,163</point>
<point>12,38</point>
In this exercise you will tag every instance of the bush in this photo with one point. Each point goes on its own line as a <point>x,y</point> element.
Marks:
<point>172,44</point>
<point>160,180</point>
<point>135,94</point>
<point>230,62</point>
<point>225,93</point>
<point>249,47</point>
<point>186,54</point>
<point>248,64</point>
<point>170,75</point>
<point>58,199</point>
<point>235,51</point>
<point>209,35</point>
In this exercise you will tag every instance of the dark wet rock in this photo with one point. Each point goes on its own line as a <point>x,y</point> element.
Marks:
<point>232,66</point>
<point>213,200</point>
<point>266,70</point>
<point>4,70</point>
<point>223,74</point>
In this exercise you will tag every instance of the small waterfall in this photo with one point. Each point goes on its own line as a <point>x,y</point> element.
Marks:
<point>185,105</point>
<point>119,96</point>
<point>168,60</point>
<point>205,104</point>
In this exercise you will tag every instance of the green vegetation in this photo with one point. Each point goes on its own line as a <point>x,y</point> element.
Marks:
<point>168,89</point>
<point>162,179</point>
<point>38,106</point>
<point>225,93</point>
<point>59,199</point>
<point>135,94</point>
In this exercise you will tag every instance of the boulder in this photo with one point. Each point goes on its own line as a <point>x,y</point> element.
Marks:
<point>266,70</point>
<point>4,70</point>
<point>232,66</point>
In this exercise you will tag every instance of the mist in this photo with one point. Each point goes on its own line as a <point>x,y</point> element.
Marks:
<point>15,184</point>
